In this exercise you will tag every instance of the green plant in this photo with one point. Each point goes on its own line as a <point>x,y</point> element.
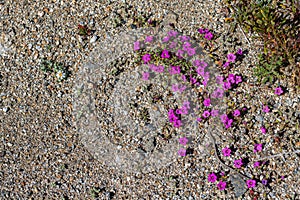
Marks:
<point>49,66</point>
<point>276,24</point>
<point>267,71</point>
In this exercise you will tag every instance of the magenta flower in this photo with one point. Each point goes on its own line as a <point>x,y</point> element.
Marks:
<point>166,39</point>
<point>236,113</point>
<point>263,130</point>
<point>256,164</point>
<point>202,30</point>
<point>226,85</point>
<point>177,123</point>
<point>264,182</point>
<point>183,141</point>
<point>165,54</point>
<point>145,76</point>
<point>266,109</point>
<point>257,147</point>
<point>200,71</point>
<point>224,118</point>
<point>231,78</point>
<point>203,64</point>
<point>136,45</point>
<point>182,152</point>
<point>173,45</point>
<point>172,33</point>
<point>174,70</point>
<point>238,79</point>
<point>208,36</point>
<point>149,39</point>
<point>238,163</point>
<point>206,114</point>
<point>221,185</point>
<point>278,91</point>
<point>218,93</point>
<point>239,52</point>
<point>193,80</point>
<point>186,46</point>
<point>228,123</point>
<point>183,77</point>
<point>199,119</point>
<point>191,51</point>
<point>231,57</point>
<point>160,69</point>
<point>226,64</point>
<point>196,63</point>
<point>226,151</point>
<point>206,102</point>
<point>214,113</point>
<point>175,88</point>
<point>146,58</point>
<point>179,53</point>
<point>212,177</point>
<point>184,38</point>
<point>251,183</point>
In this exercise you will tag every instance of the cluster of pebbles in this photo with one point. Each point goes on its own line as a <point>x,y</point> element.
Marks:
<point>47,152</point>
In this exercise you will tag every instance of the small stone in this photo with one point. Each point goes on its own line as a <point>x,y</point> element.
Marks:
<point>93,39</point>
<point>5,109</point>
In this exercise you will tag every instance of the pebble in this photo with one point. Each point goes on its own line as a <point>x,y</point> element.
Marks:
<point>93,39</point>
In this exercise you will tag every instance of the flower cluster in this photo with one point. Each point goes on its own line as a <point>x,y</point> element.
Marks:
<point>213,178</point>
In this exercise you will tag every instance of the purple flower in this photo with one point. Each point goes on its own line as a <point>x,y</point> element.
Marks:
<point>206,114</point>
<point>224,118</point>
<point>206,102</point>
<point>264,182</point>
<point>173,45</point>
<point>145,76</point>
<point>166,39</point>
<point>184,38</point>
<point>251,183</point>
<point>257,147</point>
<point>149,39</point>
<point>239,51</point>
<point>182,152</point>
<point>183,78</point>
<point>202,30</point>
<point>226,64</point>
<point>175,88</point>
<point>193,80</point>
<point>179,53</point>
<point>238,163</point>
<point>160,69</point>
<point>256,164</point>
<point>236,113</point>
<point>196,63</point>
<point>226,85</point>
<point>200,71</point>
<point>226,151</point>
<point>263,130</point>
<point>214,113</point>
<point>218,93</point>
<point>221,185</point>
<point>228,123</point>
<point>183,141</point>
<point>146,58</point>
<point>199,119</point>
<point>191,51</point>
<point>231,57</point>
<point>186,46</point>
<point>208,36</point>
<point>136,45</point>
<point>238,79</point>
<point>203,64</point>
<point>231,78</point>
<point>278,91</point>
<point>165,54</point>
<point>172,33</point>
<point>212,177</point>
<point>174,70</point>
<point>266,109</point>
<point>177,123</point>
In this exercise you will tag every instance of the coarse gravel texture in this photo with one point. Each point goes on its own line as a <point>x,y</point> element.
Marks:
<point>41,155</point>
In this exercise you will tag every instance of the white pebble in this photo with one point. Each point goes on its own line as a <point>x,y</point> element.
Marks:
<point>93,39</point>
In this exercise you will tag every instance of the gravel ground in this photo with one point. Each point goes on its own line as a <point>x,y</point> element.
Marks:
<point>41,154</point>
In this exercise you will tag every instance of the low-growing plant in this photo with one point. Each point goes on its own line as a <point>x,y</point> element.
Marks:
<point>49,66</point>
<point>276,24</point>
